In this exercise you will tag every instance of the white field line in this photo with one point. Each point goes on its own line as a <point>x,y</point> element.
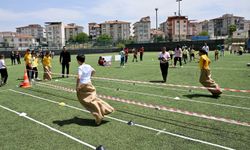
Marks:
<point>172,98</point>
<point>138,125</point>
<point>160,132</point>
<point>49,127</point>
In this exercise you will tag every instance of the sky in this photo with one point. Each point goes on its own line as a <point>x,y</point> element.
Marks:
<point>18,13</point>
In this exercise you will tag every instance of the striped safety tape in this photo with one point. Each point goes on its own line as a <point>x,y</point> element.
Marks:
<point>169,109</point>
<point>171,85</point>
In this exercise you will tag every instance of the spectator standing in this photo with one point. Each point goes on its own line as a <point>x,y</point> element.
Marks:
<point>126,55</point>
<point>222,50</point>
<point>206,48</point>
<point>122,54</point>
<point>164,57</point>
<point>12,58</point>
<point>141,53</point>
<point>135,55</point>
<point>192,53</point>
<point>3,71</point>
<point>216,54</point>
<point>171,52</point>
<point>18,57</point>
<point>177,55</point>
<point>185,55</point>
<point>65,60</point>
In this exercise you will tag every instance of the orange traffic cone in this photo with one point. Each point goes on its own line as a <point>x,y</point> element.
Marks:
<point>26,82</point>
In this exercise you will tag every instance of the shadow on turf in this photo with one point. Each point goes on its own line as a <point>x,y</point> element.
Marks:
<point>53,94</point>
<point>201,95</point>
<point>156,81</point>
<point>78,121</point>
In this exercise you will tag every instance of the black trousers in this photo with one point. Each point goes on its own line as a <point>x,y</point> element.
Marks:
<point>34,73</point>
<point>67,69</point>
<point>177,59</point>
<point>141,56</point>
<point>164,70</point>
<point>126,59</point>
<point>4,75</point>
<point>29,71</point>
<point>13,61</point>
<point>185,58</point>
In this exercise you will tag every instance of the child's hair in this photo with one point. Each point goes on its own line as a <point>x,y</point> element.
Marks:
<point>81,58</point>
<point>1,56</point>
<point>47,52</point>
<point>203,51</point>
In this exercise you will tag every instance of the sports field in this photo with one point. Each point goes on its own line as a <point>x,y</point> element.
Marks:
<point>176,115</point>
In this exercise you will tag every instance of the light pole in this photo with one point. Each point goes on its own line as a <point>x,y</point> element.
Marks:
<point>179,14</point>
<point>156,21</point>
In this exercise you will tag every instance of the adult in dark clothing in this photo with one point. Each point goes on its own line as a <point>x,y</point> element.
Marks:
<point>141,53</point>
<point>65,60</point>
<point>12,57</point>
<point>164,57</point>
<point>18,57</point>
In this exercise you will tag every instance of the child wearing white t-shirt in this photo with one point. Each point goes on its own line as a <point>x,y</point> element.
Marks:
<point>86,92</point>
<point>3,71</point>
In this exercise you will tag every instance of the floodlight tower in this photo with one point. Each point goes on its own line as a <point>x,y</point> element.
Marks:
<point>179,17</point>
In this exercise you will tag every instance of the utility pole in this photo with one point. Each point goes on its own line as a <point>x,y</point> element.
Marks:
<point>179,18</point>
<point>156,20</point>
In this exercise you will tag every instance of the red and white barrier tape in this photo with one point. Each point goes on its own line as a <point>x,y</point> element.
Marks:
<point>169,109</point>
<point>171,85</point>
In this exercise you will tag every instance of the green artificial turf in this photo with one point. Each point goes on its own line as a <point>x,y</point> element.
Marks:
<point>229,72</point>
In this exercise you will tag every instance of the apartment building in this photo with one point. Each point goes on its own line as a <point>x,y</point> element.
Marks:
<point>142,30</point>
<point>177,27</point>
<point>55,34</point>
<point>164,29</point>
<point>17,41</point>
<point>156,33</point>
<point>221,24</point>
<point>192,28</point>
<point>72,30</point>
<point>35,30</point>
<point>118,30</point>
<point>94,30</point>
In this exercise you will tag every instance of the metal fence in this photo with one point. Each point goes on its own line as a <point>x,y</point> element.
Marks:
<point>171,45</point>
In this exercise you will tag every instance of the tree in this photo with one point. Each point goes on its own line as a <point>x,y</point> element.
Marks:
<point>232,28</point>
<point>81,38</point>
<point>158,38</point>
<point>104,39</point>
<point>203,33</point>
